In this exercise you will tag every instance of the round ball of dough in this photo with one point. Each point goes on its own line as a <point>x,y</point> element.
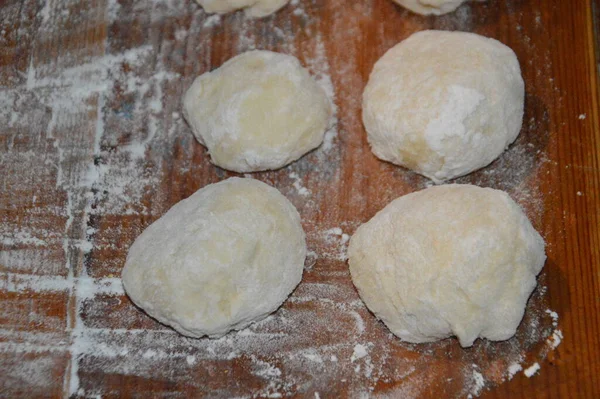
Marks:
<point>219,260</point>
<point>252,8</point>
<point>444,103</point>
<point>260,110</point>
<point>449,260</point>
<point>431,7</point>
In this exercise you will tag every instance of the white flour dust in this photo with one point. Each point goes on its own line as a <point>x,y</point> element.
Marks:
<point>531,371</point>
<point>513,369</point>
<point>337,244</point>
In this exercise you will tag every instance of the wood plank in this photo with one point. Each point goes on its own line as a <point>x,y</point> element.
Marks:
<point>93,148</point>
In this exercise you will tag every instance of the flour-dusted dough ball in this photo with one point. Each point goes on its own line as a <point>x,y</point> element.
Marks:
<point>219,260</point>
<point>260,110</point>
<point>431,7</point>
<point>252,8</point>
<point>449,260</point>
<point>444,103</point>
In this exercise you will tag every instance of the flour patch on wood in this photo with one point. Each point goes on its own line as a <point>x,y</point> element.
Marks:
<point>532,370</point>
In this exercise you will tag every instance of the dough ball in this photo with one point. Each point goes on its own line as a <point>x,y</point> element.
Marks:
<point>219,260</point>
<point>260,110</point>
<point>449,260</point>
<point>444,103</point>
<point>252,8</point>
<point>431,7</point>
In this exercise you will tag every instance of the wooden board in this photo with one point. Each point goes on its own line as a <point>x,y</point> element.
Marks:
<point>93,148</point>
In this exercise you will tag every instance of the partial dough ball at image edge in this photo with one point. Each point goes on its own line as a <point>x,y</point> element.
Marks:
<point>259,111</point>
<point>252,8</point>
<point>444,104</point>
<point>450,260</point>
<point>225,257</point>
<point>431,7</point>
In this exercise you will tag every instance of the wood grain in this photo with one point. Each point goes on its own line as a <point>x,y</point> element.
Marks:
<point>93,148</point>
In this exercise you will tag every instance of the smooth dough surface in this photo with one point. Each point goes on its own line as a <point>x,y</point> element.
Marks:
<point>225,257</point>
<point>444,104</point>
<point>252,8</point>
<point>260,110</point>
<point>431,7</point>
<point>450,260</point>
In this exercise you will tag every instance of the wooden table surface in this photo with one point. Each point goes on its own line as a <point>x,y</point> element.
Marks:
<point>93,148</point>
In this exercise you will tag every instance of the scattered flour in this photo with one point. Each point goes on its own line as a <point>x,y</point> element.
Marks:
<point>212,21</point>
<point>478,384</point>
<point>25,238</point>
<point>555,339</point>
<point>264,369</point>
<point>12,282</point>
<point>360,324</point>
<point>313,356</point>
<point>360,351</point>
<point>554,317</point>
<point>513,369</point>
<point>298,184</point>
<point>529,372</point>
<point>337,244</point>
